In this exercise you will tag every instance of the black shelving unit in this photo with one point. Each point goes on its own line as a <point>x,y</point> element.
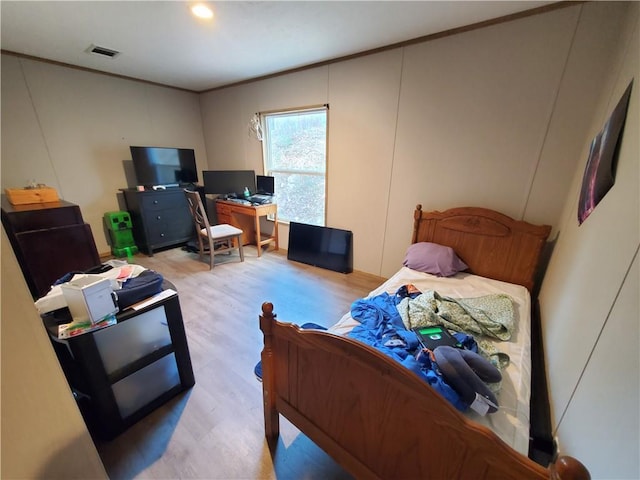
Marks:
<point>123,372</point>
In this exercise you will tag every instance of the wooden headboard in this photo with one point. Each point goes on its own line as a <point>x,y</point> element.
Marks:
<point>492,244</point>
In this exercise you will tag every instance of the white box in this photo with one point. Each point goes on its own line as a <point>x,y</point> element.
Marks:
<point>90,298</point>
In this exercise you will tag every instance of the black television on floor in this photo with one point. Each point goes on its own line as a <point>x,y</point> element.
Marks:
<point>324,247</point>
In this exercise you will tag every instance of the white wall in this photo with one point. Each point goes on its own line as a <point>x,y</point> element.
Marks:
<point>43,434</point>
<point>584,77</point>
<point>492,117</point>
<point>363,98</point>
<point>71,129</point>
<point>472,118</point>
<point>589,297</point>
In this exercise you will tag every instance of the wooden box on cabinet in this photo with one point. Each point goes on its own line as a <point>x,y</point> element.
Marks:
<point>25,196</point>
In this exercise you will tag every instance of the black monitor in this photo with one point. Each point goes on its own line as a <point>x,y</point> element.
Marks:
<point>164,166</point>
<point>265,185</point>
<point>229,182</point>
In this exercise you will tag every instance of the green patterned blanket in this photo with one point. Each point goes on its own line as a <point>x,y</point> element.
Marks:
<point>489,315</point>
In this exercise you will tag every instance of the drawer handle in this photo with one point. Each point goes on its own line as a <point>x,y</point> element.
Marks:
<point>158,217</point>
<point>155,202</point>
<point>162,234</point>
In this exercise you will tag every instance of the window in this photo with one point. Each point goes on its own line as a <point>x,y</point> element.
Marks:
<point>295,154</point>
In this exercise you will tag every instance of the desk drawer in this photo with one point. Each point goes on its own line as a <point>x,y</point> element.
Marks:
<point>223,209</point>
<point>223,218</point>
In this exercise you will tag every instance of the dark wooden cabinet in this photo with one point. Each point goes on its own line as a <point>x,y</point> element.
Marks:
<point>161,218</point>
<point>49,240</point>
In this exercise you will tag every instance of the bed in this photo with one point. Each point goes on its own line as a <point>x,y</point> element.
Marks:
<point>378,419</point>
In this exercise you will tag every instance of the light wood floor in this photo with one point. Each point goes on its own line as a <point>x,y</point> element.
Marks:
<point>215,430</point>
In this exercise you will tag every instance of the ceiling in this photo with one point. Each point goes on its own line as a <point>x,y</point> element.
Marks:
<point>162,42</point>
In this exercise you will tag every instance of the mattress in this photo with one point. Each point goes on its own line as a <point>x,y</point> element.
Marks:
<point>511,421</point>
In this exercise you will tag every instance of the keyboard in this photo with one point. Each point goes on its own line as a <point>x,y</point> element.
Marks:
<point>240,201</point>
<point>259,198</point>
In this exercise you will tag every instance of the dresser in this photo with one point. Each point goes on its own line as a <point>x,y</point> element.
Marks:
<point>49,240</point>
<point>161,218</point>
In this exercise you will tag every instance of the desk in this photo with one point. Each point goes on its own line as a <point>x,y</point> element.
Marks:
<point>247,218</point>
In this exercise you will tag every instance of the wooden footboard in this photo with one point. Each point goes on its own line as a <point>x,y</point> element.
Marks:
<point>376,418</point>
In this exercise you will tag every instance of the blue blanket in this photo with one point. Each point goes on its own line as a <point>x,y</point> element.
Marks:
<point>382,328</point>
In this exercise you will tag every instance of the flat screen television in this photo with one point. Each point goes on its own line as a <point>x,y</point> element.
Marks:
<point>325,247</point>
<point>163,166</point>
<point>229,182</point>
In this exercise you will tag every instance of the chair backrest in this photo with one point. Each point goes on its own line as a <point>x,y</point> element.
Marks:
<point>198,212</point>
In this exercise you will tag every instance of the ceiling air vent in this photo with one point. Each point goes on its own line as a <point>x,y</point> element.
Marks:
<point>105,52</point>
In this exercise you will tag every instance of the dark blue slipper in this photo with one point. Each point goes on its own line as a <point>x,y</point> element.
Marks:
<point>258,368</point>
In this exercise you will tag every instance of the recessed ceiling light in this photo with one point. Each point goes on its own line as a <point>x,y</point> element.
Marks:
<point>202,11</point>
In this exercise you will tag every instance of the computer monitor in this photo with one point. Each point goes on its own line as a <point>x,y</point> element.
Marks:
<point>265,185</point>
<point>228,182</point>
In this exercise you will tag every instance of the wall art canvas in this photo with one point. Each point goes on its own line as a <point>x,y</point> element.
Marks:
<point>600,172</point>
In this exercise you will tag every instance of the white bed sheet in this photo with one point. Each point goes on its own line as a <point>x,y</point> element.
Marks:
<point>511,422</point>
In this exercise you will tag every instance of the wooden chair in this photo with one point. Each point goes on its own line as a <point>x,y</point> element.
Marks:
<point>220,238</point>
